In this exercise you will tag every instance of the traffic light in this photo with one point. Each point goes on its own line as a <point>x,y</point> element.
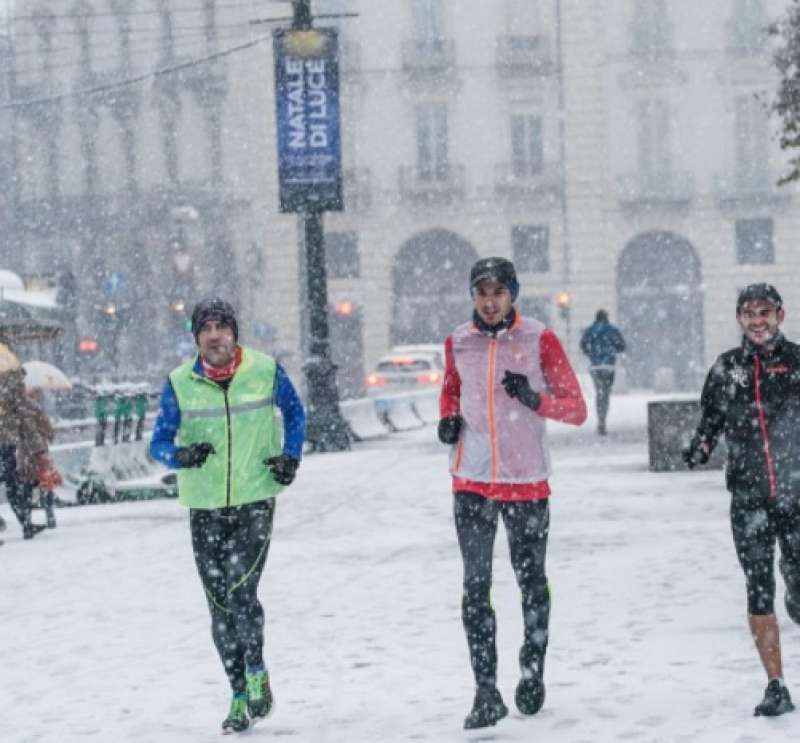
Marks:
<point>564,302</point>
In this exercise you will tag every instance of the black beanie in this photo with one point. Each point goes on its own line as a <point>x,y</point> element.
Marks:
<point>754,292</point>
<point>214,309</point>
<point>498,269</point>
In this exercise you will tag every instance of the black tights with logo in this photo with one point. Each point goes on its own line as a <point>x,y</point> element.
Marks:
<point>758,523</point>
<point>230,548</point>
<point>527,525</point>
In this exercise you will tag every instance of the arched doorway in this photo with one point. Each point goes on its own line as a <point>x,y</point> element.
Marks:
<point>660,309</point>
<point>430,282</point>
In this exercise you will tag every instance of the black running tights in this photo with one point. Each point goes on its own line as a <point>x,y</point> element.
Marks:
<point>527,525</point>
<point>230,548</point>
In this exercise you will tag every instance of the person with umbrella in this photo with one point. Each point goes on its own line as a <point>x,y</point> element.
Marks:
<point>24,439</point>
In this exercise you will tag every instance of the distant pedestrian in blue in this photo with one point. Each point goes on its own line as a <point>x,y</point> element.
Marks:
<point>601,342</point>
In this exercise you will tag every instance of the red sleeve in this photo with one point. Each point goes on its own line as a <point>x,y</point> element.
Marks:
<point>564,400</point>
<point>450,396</point>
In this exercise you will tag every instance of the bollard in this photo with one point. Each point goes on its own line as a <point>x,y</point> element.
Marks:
<point>101,402</point>
<point>140,408</point>
<point>126,412</point>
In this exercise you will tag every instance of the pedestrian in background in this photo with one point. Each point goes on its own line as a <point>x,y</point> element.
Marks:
<point>217,425</point>
<point>505,374</point>
<point>25,434</point>
<point>601,342</point>
<point>752,397</point>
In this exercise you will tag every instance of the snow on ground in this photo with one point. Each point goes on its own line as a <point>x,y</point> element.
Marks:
<point>104,630</point>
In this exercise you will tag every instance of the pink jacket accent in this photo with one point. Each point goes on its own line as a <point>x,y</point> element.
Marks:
<point>502,441</point>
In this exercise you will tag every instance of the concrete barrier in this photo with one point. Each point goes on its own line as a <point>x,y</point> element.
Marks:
<point>362,417</point>
<point>670,426</point>
<point>398,412</point>
<point>426,406</point>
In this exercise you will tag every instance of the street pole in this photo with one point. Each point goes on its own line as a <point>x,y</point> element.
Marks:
<point>562,153</point>
<point>326,429</point>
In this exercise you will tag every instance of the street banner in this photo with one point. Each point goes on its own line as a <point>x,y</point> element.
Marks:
<point>307,116</point>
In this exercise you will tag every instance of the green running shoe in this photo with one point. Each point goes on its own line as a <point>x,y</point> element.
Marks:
<point>237,720</point>
<point>259,695</point>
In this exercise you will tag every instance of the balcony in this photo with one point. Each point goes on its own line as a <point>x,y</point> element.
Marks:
<point>665,190</point>
<point>429,58</point>
<point>747,38</point>
<point>357,189</point>
<point>432,186</point>
<point>519,180</point>
<point>734,190</point>
<point>524,56</point>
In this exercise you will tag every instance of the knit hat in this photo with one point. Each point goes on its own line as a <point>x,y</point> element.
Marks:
<point>214,309</point>
<point>754,292</point>
<point>498,269</point>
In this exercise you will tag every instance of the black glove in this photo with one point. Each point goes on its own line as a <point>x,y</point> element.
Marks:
<point>518,386</point>
<point>450,429</point>
<point>283,468</point>
<point>194,455</point>
<point>694,454</point>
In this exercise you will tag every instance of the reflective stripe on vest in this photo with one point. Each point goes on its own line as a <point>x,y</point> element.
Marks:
<point>239,422</point>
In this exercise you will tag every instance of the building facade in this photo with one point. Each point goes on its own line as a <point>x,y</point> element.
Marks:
<point>622,154</point>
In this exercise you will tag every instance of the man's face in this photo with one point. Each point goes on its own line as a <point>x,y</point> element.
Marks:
<point>492,301</point>
<point>216,343</point>
<point>759,320</point>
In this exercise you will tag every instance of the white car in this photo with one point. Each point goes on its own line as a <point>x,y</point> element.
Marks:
<point>408,368</point>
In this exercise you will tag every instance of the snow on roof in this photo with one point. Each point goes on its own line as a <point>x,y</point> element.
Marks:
<point>10,280</point>
<point>39,298</point>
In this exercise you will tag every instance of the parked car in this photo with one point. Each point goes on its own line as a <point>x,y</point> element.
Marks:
<point>406,369</point>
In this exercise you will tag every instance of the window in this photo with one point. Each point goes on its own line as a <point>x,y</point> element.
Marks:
<point>751,141</point>
<point>536,307</point>
<point>432,160</point>
<point>523,17</point>
<point>748,25</point>
<point>530,246</point>
<point>527,156</point>
<point>653,119</point>
<point>342,257</point>
<point>428,19</point>
<point>754,241</point>
<point>651,30</point>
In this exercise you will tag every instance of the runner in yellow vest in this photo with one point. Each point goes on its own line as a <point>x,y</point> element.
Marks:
<point>218,427</point>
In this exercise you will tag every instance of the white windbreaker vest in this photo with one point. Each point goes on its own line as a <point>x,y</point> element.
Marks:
<point>502,440</point>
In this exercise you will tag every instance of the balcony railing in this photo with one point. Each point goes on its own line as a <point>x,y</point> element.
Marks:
<point>752,189</point>
<point>519,56</point>
<point>746,39</point>
<point>357,189</point>
<point>434,186</point>
<point>668,189</point>
<point>429,57</point>
<point>520,180</point>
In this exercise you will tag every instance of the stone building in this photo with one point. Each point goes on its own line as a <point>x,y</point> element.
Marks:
<point>621,153</point>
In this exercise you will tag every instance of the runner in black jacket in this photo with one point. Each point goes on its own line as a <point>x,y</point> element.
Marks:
<point>752,396</point>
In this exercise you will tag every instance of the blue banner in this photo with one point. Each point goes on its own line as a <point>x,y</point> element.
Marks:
<point>307,115</point>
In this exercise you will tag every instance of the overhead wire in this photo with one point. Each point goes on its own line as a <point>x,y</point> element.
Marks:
<point>136,78</point>
<point>122,13</point>
<point>139,50</point>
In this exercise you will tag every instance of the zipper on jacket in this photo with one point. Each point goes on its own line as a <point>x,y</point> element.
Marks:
<point>490,407</point>
<point>230,455</point>
<point>762,422</point>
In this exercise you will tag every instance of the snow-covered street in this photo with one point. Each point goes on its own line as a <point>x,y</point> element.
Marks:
<point>104,629</point>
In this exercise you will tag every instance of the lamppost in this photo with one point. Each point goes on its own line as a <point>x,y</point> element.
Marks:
<point>327,430</point>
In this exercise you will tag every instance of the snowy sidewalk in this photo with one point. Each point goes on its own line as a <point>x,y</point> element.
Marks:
<point>104,630</point>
